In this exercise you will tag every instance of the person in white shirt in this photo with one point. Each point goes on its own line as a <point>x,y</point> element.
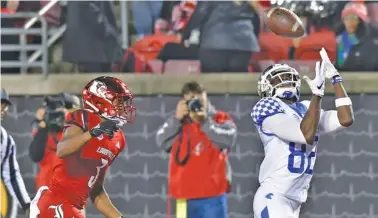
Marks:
<point>289,130</point>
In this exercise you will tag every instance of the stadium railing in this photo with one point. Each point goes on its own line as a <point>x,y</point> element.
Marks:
<point>39,50</point>
<point>23,47</point>
<point>143,84</point>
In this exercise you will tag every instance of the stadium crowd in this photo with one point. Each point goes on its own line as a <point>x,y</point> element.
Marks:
<point>206,36</point>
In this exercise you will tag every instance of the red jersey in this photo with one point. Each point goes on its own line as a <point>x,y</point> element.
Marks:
<point>195,158</point>
<point>46,165</point>
<point>75,175</point>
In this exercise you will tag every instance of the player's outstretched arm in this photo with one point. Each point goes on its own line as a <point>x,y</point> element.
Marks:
<point>102,201</point>
<point>310,122</point>
<point>345,116</point>
<point>343,105</point>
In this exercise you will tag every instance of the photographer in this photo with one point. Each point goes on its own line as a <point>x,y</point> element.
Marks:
<point>198,139</point>
<point>48,131</point>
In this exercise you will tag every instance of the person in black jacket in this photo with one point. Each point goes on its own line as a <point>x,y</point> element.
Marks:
<point>48,130</point>
<point>91,40</point>
<point>227,36</point>
<point>357,41</point>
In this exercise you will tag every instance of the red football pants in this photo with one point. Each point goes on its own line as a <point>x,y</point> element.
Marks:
<point>46,205</point>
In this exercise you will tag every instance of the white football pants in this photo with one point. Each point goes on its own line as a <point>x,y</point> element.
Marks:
<point>268,204</point>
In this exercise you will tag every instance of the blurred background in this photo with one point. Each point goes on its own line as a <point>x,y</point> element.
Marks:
<point>52,46</point>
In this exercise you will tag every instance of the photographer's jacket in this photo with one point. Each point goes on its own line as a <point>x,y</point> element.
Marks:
<point>198,155</point>
<point>42,149</point>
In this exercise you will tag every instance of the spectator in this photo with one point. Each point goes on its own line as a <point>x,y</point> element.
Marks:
<point>91,40</point>
<point>145,13</point>
<point>198,139</point>
<point>174,16</point>
<point>227,37</point>
<point>356,42</point>
<point>162,24</point>
<point>181,14</point>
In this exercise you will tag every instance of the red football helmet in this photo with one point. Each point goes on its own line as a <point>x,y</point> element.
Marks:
<point>109,97</point>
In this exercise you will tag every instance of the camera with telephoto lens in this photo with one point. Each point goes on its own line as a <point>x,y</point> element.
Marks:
<point>194,104</point>
<point>53,117</point>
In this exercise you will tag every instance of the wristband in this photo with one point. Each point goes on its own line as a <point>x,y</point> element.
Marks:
<point>343,102</point>
<point>336,79</point>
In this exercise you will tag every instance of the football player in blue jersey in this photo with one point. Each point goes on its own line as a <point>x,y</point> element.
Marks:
<point>289,130</point>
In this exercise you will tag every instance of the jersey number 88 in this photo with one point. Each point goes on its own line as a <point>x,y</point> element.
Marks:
<point>302,156</point>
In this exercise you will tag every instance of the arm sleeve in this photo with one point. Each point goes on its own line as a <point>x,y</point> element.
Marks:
<point>268,115</point>
<point>329,122</point>
<point>284,127</point>
<point>167,133</point>
<point>221,130</point>
<point>12,176</point>
<point>38,145</point>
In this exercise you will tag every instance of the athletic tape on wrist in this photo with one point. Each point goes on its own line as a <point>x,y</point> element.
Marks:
<point>343,102</point>
<point>336,79</point>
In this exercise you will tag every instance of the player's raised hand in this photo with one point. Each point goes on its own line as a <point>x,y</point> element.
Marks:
<point>317,84</point>
<point>329,70</point>
<point>107,127</point>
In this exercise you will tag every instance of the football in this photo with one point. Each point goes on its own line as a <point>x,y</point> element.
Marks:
<point>284,22</point>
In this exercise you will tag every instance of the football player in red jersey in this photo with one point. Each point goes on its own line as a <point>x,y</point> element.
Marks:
<point>92,140</point>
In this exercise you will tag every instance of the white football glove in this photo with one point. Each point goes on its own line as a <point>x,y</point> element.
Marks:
<point>317,84</point>
<point>330,70</point>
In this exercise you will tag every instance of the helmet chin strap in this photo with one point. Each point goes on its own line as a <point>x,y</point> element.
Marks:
<point>287,93</point>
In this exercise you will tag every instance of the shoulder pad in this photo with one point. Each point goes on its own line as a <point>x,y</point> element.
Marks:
<point>264,108</point>
<point>74,118</point>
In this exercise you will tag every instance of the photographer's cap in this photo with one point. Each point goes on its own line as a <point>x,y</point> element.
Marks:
<point>5,97</point>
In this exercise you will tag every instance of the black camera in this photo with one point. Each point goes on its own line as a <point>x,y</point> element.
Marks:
<point>54,118</point>
<point>194,104</point>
